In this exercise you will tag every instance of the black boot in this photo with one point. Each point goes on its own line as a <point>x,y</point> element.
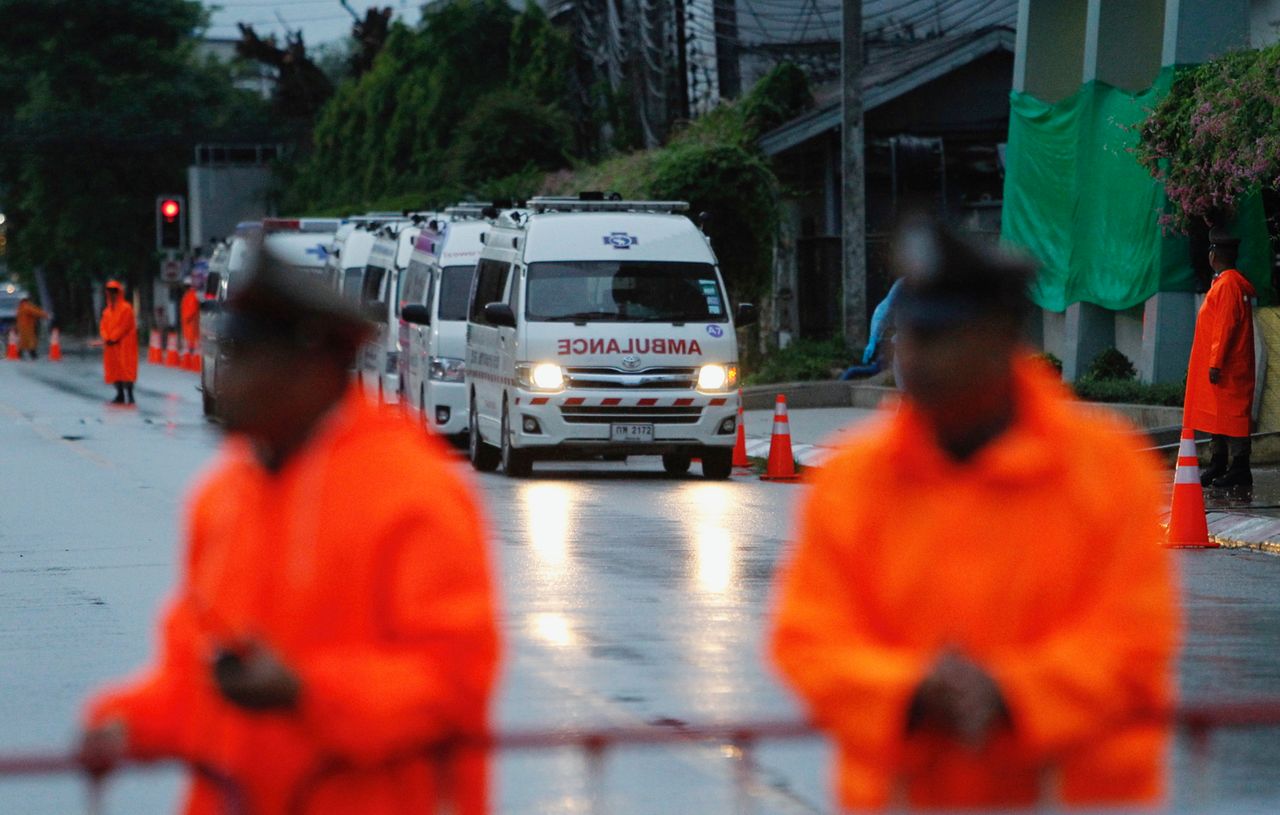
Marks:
<point>1238,476</point>
<point>119,400</point>
<point>1217,460</point>
<point>128,393</point>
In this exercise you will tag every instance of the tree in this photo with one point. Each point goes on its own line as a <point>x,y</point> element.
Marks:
<point>105,100</point>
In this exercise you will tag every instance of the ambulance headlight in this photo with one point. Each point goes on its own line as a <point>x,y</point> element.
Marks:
<point>547,376</point>
<point>717,377</point>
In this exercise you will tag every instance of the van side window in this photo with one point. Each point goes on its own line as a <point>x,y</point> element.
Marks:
<point>417,279</point>
<point>211,285</point>
<point>490,286</point>
<point>372,285</point>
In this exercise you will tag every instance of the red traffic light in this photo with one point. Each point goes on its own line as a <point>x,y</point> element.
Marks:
<point>170,208</point>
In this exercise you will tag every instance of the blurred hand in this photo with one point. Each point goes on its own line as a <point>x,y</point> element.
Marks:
<point>252,677</point>
<point>1215,374</point>
<point>960,699</point>
<point>104,746</point>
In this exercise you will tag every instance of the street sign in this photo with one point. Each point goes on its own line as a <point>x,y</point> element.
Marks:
<point>170,270</point>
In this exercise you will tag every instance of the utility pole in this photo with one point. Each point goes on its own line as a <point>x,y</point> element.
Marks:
<point>853,203</point>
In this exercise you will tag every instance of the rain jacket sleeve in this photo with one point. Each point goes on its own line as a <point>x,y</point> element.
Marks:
<point>1112,661</point>
<point>828,642</point>
<point>430,673</point>
<point>1229,314</point>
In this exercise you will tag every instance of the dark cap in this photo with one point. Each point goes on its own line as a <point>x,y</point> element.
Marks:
<point>948,279</point>
<point>284,306</point>
<point>1221,237</point>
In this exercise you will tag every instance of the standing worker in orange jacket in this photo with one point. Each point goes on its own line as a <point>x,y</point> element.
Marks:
<point>969,610</point>
<point>333,620</point>
<point>29,316</point>
<point>1221,376</point>
<point>190,313</point>
<point>119,331</point>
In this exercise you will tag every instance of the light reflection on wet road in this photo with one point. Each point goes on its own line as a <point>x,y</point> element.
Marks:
<point>629,597</point>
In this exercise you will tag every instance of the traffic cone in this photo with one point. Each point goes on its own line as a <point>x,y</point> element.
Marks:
<point>171,358</point>
<point>193,363</point>
<point>740,460</point>
<point>153,348</point>
<point>1188,528</point>
<point>185,361</point>
<point>12,351</point>
<point>782,465</point>
<point>55,345</point>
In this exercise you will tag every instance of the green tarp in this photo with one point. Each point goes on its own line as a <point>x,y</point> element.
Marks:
<point>1077,200</point>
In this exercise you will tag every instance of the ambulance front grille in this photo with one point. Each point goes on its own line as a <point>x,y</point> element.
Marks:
<point>621,414</point>
<point>649,378</point>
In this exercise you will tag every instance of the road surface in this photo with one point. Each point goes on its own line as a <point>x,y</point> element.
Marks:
<point>629,597</point>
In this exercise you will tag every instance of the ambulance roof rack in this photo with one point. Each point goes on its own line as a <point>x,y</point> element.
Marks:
<point>591,203</point>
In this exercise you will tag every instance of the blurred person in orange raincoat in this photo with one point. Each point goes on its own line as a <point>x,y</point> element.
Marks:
<point>1220,375</point>
<point>119,331</point>
<point>334,620</point>
<point>190,313</point>
<point>973,614</point>
<point>29,316</point>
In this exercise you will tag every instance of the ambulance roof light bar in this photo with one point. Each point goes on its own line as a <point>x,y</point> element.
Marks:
<point>566,204</point>
<point>299,224</point>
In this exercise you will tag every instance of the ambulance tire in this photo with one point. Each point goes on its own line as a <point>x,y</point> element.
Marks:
<point>515,463</point>
<point>206,402</point>
<point>484,457</point>
<point>676,463</point>
<point>717,463</point>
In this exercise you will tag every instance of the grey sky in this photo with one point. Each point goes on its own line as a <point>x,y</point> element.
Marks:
<point>320,20</point>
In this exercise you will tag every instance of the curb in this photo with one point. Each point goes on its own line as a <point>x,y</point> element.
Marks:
<point>1234,530</point>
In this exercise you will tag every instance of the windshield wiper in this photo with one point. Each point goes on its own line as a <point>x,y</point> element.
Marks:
<point>583,316</point>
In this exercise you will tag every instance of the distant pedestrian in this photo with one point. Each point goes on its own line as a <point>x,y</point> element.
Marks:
<point>1221,375</point>
<point>334,619</point>
<point>973,614</point>
<point>190,312</point>
<point>29,317</point>
<point>119,331</point>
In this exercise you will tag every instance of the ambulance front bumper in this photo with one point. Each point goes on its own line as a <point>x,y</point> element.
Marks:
<point>623,421</point>
<point>447,407</point>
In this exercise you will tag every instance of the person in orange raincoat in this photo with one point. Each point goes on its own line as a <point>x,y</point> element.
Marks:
<point>119,331</point>
<point>976,617</point>
<point>335,623</point>
<point>29,316</point>
<point>1220,375</point>
<point>190,313</point>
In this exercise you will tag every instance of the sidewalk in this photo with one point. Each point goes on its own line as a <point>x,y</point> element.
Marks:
<point>1254,525</point>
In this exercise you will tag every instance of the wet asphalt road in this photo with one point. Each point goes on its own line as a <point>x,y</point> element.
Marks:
<point>629,599</point>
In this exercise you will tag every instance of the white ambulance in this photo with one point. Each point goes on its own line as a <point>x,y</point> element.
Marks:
<point>433,328</point>
<point>601,328</point>
<point>302,243</point>
<point>379,364</point>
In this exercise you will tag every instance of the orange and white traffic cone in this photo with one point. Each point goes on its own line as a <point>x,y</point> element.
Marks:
<point>11,352</point>
<point>154,354</point>
<point>184,361</point>
<point>1188,528</point>
<point>55,345</point>
<point>782,464</point>
<point>171,358</point>
<point>193,363</point>
<point>740,460</point>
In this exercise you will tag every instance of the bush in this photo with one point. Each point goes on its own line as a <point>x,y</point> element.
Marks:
<point>1129,392</point>
<point>1050,360</point>
<point>508,133</point>
<point>1111,366</point>
<point>802,361</point>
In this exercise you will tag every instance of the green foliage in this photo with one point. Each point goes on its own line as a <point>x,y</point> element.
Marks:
<point>1050,360</point>
<point>1129,392</point>
<point>1111,366</point>
<point>802,361</point>
<point>779,96</point>
<point>1216,136</point>
<point>506,133</point>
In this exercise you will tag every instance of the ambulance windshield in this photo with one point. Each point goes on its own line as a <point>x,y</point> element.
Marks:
<point>625,291</point>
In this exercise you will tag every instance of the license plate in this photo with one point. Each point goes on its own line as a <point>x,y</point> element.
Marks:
<point>631,432</point>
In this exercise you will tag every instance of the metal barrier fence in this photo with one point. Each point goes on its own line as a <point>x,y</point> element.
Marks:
<point>738,742</point>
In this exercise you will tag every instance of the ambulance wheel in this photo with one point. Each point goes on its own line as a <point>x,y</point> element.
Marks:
<point>206,401</point>
<point>717,463</point>
<point>483,457</point>
<point>515,463</point>
<point>676,463</point>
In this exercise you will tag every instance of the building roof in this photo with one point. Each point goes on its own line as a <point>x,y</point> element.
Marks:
<point>892,70</point>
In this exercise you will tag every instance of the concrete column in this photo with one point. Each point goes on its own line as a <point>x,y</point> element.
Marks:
<point>1128,330</point>
<point>1049,54</point>
<point>1123,42</point>
<point>1168,326</point>
<point>1196,31</point>
<point>1089,330</point>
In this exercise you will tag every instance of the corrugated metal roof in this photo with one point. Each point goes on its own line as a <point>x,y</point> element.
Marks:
<point>891,71</point>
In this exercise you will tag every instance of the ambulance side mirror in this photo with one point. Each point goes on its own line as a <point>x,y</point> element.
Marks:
<point>500,314</point>
<point>746,315</point>
<point>416,313</point>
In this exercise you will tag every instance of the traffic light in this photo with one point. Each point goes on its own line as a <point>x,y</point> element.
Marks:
<point>171,223</point>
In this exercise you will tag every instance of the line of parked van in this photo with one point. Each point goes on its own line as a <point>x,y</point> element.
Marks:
<point>564,328</point>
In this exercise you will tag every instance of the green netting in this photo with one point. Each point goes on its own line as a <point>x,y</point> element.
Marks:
<point>1077,199</point>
